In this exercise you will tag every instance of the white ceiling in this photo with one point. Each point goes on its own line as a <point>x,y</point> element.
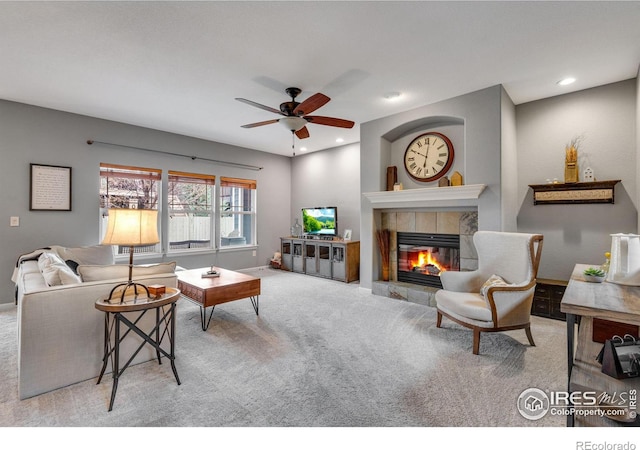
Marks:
<point>178,66</point>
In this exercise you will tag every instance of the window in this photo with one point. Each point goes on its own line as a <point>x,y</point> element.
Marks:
<point>191,213</point>
<point>128,187</point>
<point>237,212</point>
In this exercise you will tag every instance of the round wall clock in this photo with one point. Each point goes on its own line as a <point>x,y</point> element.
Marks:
<point>428,157</point>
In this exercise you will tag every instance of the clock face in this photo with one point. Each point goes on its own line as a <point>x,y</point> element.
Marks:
<point>428,157</point>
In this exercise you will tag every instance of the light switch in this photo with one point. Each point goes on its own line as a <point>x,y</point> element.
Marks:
<point>15,221</point>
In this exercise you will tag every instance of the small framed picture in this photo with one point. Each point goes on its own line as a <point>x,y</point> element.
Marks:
<point>347,235</point>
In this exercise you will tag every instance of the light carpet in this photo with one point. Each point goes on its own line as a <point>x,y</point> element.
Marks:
<point>321,354</point>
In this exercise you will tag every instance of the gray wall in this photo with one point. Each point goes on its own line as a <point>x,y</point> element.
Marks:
<point>638,144</point>
<point>500,145</point>
<point>606,117</point>
<point>508,163</point>
<point>31,134</point>
<point>328,178</point>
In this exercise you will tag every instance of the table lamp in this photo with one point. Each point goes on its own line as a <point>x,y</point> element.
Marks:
<point>131,227</point>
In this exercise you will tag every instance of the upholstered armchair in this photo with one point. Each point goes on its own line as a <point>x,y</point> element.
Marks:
<point>498,295</point>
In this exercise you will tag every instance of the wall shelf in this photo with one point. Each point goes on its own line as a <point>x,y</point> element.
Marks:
<point>574,193</point>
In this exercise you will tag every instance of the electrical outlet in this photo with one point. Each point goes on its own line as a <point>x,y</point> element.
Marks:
<point>254,253</point>
<point>15,221</point>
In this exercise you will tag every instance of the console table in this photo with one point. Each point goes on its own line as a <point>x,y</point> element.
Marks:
<point>335,259</point>
<point>114,315</point>
<point>589,301</point>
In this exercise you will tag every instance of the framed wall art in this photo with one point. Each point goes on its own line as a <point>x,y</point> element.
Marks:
<point>50,188</point>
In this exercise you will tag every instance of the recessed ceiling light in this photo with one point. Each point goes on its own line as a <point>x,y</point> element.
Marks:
<point>566,81</point>
<point>392,95</point>
<point>303,149</point>
<point>339,140</point>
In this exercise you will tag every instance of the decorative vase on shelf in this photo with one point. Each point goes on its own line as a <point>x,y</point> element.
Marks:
<point>296,229</point>
<point>571,162</point>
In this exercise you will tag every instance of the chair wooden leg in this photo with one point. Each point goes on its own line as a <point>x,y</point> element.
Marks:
<point>439,320</point>
<point>476,341</point>
<point>529,335</point>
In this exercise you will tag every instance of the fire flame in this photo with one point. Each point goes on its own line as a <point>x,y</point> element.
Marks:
<point>425,259</point>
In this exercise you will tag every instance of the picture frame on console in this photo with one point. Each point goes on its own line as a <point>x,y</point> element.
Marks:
<point>50,188</point>
<point>347,235</point>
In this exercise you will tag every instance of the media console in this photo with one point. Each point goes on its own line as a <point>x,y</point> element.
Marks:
<point>335,259</point>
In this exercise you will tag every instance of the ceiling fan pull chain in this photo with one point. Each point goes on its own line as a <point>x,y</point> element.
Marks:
<point>293,142</point>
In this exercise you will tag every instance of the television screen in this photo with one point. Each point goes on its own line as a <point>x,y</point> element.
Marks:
<point>320,221</point>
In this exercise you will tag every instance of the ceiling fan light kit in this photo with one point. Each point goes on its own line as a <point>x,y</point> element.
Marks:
<point>293,123</point>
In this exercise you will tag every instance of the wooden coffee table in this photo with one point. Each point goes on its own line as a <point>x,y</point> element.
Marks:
<point>209,292</point>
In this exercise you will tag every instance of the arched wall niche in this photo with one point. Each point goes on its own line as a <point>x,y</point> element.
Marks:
<point>400,136</point>
<point>424,123</point>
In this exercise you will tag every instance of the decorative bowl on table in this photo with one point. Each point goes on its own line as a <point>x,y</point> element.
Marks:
<point>594,275</point>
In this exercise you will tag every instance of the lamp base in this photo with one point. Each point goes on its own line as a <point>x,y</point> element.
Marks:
<point>128,285</point>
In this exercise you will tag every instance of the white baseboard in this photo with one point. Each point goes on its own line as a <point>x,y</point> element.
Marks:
<point>254,268</point>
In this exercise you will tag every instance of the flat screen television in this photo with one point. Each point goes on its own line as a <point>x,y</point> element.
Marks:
<point>320,221</point>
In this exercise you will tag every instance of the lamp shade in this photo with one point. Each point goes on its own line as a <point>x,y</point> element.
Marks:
<point>132,227</point>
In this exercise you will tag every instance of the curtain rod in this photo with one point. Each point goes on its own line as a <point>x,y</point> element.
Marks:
<point>244,166</point>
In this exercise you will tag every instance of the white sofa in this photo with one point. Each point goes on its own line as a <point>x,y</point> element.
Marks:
<point>60,332</point>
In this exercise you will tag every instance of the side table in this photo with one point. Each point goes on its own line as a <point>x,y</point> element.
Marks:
<point>114,315</point>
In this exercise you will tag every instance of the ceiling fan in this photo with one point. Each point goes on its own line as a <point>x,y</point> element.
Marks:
<point>296,115</point>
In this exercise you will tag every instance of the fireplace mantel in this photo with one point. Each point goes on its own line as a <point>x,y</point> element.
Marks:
<point>466,195</point>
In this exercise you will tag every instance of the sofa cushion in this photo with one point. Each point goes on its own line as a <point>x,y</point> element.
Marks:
<point>95,254</point>
<point>55,271</point>
<point>116,271</point>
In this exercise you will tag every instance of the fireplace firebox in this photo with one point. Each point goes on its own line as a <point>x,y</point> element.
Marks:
<point>422,257</point>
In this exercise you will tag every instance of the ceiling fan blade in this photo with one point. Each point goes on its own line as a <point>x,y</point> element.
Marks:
<point>302,133</point>
<point>311,104</point>
<point>259,124</point>
<point>330,121</point>
<point>258,105</point>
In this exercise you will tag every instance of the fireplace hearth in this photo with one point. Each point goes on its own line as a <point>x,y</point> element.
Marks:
<point>422,257</point>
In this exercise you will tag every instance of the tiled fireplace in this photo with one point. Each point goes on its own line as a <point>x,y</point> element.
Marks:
<point>447,235</point>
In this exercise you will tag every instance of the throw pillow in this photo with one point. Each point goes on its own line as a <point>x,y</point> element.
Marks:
<point>494,280</point>
<point>72,265</point>
<point>117,271</point>
<point>55,271</point>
